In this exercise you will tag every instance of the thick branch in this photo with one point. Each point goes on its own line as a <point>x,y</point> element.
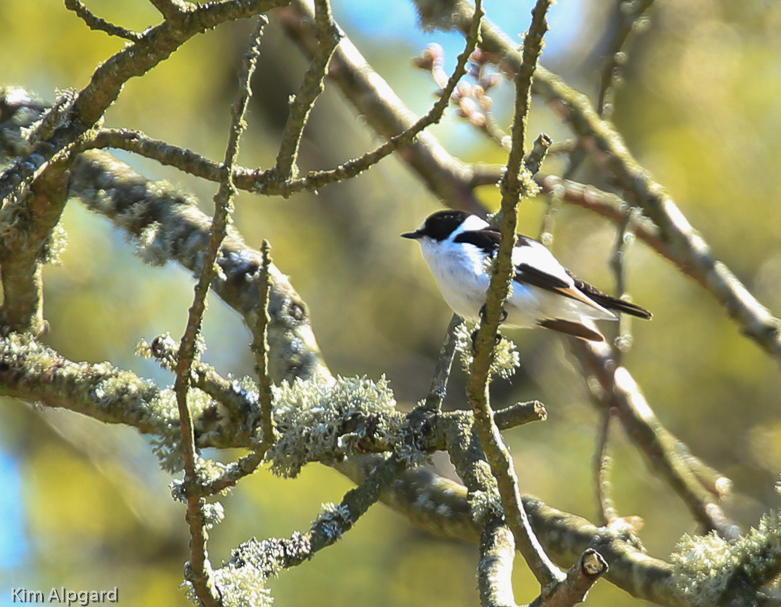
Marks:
<point>169,226</point>
<point>495,569</point>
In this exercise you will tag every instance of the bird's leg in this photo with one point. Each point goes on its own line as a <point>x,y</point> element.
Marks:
<point>498,337</point>
<point>502,316</point>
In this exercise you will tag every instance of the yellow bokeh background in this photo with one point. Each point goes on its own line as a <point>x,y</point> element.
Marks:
<point>699,108</point>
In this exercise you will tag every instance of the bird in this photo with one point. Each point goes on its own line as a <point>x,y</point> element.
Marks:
<point>459,248</point>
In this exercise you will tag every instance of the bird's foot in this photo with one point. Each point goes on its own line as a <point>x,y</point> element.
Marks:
<point>502,314</point>
<point>498,338</point>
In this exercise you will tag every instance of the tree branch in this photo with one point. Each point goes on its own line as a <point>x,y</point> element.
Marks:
<point>494,571</point>
<point>328,36</point>
<point>607,147</point>
<point>630,17</point>
<point>512,188</point>
<point>96,23</point>
<point>664,451</point>
<point>199,567</point>
<point>438,389</point>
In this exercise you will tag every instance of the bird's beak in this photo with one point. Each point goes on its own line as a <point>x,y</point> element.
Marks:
<point>415,235</point>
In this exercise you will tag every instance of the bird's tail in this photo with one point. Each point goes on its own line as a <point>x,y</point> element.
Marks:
<point>611,303</point>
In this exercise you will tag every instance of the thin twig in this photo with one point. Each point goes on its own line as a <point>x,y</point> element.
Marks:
<point>620,391</point>
<point>96,23</point>
<point>261,349</point>
<point>438,389</point>
<point>630,14</point>
<point>513,187</point>
<point>495,132</point>
<point>520,413</point>
<point>199,569</point>
<point>552,199</point>
<point>602,468</point>
<point>624,235</point>
<point>328,36</point>
<point>580,578</point>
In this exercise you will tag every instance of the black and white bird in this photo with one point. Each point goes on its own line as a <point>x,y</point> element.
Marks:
<point>459,248</point>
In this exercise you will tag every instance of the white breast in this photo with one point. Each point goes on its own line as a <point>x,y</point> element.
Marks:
<point>460,275</point>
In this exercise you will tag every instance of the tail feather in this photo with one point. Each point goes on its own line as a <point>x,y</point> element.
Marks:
<point>611,303</point>
<point>572,328</point>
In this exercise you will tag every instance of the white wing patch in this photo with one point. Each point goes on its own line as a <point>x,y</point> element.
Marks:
<point>536,255</point>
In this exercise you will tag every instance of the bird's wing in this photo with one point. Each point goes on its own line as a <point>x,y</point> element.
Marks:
<point>536,265</point>
<point>524,273</point>
<point>487,239</point>
<point>611,303</point>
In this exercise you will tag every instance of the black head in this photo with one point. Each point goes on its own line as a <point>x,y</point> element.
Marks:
<point>440,225</point>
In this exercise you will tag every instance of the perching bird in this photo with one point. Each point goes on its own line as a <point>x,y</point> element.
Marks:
<point>459,248</point>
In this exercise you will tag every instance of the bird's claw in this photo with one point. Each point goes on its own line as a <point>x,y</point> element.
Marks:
<point>502,315</point>
<point>498,338</point>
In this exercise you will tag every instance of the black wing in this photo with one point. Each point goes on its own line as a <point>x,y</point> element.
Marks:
<point>611,303</point>
<point>529,274</point>
<point>486,239</point>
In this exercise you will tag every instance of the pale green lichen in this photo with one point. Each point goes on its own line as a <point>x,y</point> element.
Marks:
<point>240,587</point>
<point>240,582</point>
<point>485,504</point>
<point>242,579</point>
<point>333,520</point>
<point>506,358</point>
<point>55,245</point>
<point>213,514</point>
<point>152,245</point>
<point>708,568</point>
<point>208,471</point>
<point>326,422</point>
<point>167,444</point>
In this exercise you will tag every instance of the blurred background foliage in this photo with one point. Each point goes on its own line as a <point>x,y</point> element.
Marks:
<point>700,108</point>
